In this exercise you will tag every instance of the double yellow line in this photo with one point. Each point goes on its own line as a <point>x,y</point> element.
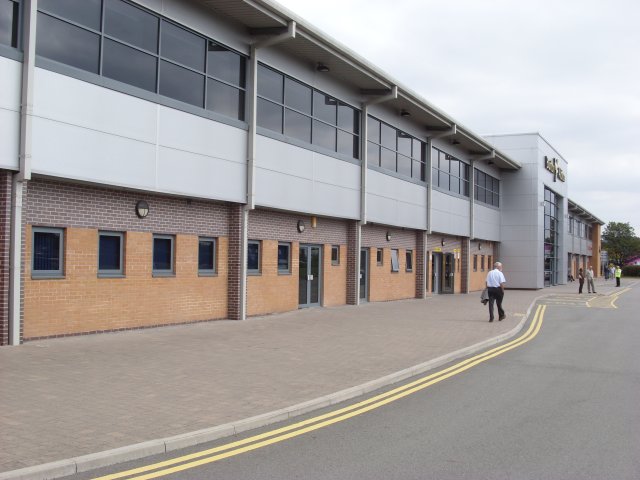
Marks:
<point>274,436</point>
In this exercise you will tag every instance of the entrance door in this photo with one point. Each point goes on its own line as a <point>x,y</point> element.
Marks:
<point>436,273</point>
<point>449,273</point>
<point>364,274</point>
<point>309,276</point>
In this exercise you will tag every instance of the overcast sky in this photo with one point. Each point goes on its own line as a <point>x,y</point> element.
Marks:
<point>568,69</point>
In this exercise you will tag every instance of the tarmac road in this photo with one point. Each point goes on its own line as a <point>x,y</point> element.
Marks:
<point>561,404</point>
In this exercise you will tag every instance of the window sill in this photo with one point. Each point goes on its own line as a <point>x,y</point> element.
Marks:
<point>254,274</point>
<point>47,277</point>
<point>163,274</point>
<point>207,274</point>
<point>283,273</point>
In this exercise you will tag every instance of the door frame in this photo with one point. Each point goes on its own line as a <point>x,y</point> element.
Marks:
<point>452,272</point>
<point>436,272</point>
<point>367,263</point>
<point>308,247</point>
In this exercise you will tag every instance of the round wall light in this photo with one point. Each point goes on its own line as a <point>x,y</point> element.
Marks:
<point>388,236</point>
<point>142,209</point>
<point>301,226</point>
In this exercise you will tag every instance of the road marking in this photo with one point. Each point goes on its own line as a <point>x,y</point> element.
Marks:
<point>274,436</point>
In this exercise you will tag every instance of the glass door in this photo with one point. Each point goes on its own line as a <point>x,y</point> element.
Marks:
<point>436,269</point>
<point>449,273</point>
<point>364,274</point>
<point>309,274</point>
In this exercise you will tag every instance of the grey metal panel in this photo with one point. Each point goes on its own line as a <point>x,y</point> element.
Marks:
<point>10,77</point>
<point>487,223</point>
<point>449,214</point>
<point>393,201</point>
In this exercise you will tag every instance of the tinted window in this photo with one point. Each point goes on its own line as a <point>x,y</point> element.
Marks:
<point>373,127</point>
<point>224,99</point>
<point>181,84</point>
<point>253,257</point>
<point>395,265</point>
<point>270,84</point>
<point>130,24</point>
<point>417,171</point>
<point>283,257</point>
<point>182,46</point>
<point>109,252</point>
<point>388,136</point>
<point>373,154</point>
<point>335,255</point>
<point>404,165</point>
<point>129,65</point>
<point>269,115</point>
<point>84,12</point>
<point>47,251</point>
<point>9,23</point>
<point>348,119</point>
<point>404,145</point>
<point>206,253</point>
<point>388,159</point>
<point>324,135</point>
<point>297,95</point>
<point>225,64</point>
<point>297,126</point>
<point>162,254</point>
<point>324,107</point>
<point>348,144</point>
<point>67,44</point>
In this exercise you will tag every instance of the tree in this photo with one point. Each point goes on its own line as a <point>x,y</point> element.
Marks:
<point>619,239</point>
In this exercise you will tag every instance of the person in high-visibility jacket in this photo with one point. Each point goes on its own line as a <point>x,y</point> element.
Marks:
<point>618,275</point>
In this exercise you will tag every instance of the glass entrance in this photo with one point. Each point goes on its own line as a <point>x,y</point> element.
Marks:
<point>436,273</point>
<point>449,273</point>
<point>309,276</point>
<point>364,274</point>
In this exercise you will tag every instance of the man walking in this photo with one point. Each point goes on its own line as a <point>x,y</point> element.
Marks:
<point>590,286</point>
<point>495,286</point>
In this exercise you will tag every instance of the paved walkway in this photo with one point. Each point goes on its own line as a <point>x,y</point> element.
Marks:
<point>63,398</point>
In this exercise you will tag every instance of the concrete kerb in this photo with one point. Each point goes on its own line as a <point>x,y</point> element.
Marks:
<point>136,451</point>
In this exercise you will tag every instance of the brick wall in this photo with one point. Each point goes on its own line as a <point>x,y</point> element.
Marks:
<point>271,292</point>
<point>477,278</point>
<point>421,283</point>
<point>384,284</point>
<point>352,259</point>
<point>234,278</point>
<point>81,302</point>
<point>5,238</point>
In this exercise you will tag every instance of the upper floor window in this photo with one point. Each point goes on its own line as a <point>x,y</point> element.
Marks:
<point>126,43</point>
<point>394,150</point>
<point>303,113</point>
<point>9,22</point>
<point>487,189</point>
<point>449,173</point>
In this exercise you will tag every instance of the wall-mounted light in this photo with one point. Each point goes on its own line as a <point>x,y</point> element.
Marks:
<point>455,142</point>
<point>405,113</point>
<point>490,162</point>
<point>301,226</point>
<point>321,67</point>
<point>142,209</point>
<point>442,242</point>
<point>388,236</point>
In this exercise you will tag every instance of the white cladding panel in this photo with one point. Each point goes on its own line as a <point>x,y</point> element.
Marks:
<point>293,178</point>
<point>396,202</point>
<point>10,76</point>
<point>486,223</point>
<point>87,132</point>
<point>449,214</point>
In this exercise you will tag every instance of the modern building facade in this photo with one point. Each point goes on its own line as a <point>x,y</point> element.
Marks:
<point>173,161</point>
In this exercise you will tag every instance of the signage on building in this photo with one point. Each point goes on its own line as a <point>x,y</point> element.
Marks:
<point>551,164</point>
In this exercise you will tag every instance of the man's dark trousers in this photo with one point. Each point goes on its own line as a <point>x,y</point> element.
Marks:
<point>495,295</point>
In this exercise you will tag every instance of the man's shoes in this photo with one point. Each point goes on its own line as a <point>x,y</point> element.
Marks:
<point>502,318</point>
<point>490,320</point>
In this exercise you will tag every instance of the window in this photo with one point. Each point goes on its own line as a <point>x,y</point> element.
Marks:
<point>300,112</point>
<point>482,263</point>
<point>187,67</point>
<point>487,189</point>
<point>284,258</point>
<point>206,256</point>
<point>395,150</point>
<point>253,257</point>
<point>475,263</point>
<point>163,254</point>
<point>379,256</point>
<point>395,264</point>
<point>409,258</point>
<point>110,254</point>
<point>489,263</point>
<point>48,248</point>
<point>9,22</point>
<point>450,173</point>
<point>335,254</point>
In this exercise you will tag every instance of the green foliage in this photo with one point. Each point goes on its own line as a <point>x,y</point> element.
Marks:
<point>619,239</point>
<point>631,271</point>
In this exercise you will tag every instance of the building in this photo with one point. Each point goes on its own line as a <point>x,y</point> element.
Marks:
<point>189,160</point>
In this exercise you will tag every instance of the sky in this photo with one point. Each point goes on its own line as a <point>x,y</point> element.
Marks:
<point>568,69</point>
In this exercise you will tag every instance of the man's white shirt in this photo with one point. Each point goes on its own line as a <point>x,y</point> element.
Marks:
<point>495,278</point>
